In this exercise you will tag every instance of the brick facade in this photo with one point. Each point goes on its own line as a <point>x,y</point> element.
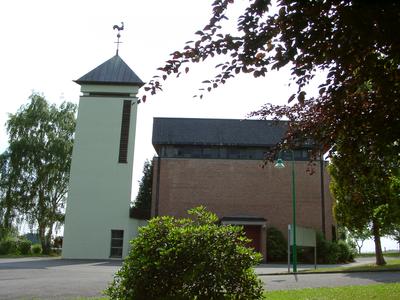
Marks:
<point>231,187</point>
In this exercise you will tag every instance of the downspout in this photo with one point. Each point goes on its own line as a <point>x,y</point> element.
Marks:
<point>322,195</point>
<point>157,187</point>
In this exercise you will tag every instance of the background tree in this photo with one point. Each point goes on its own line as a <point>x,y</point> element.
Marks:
<point>40,148</point>
<point>395,234</point>
<point>359,236</point>
<point>7,203</point>
<point>395,231</point>
<point>365,194</point>
<point>143,198</point>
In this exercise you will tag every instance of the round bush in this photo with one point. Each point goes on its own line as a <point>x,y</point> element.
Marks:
<point>8,246</point>
<point>3,248</point>
<point>345,252</point>
<point>24,246</point>
<point>323,249</point>
<point>36,249</point>
<point>333,252</point>
<point>188,259</point>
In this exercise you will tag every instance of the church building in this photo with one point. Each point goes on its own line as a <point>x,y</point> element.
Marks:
<point>218,163</point>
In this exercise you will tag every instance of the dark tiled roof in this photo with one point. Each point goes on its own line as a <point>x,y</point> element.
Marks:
<point>113,71</point>
<point>217,132</point>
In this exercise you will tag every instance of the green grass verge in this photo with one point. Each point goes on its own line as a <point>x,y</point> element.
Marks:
<point>392,254</point>
<point>390,265</point>
<point>385,291</point>
<point>387,254</point>
<point>95,298</point>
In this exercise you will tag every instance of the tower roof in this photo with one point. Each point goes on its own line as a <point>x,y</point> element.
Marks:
<point>113,71</point>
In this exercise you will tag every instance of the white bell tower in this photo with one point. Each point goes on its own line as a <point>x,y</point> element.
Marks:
<point>97,223</point>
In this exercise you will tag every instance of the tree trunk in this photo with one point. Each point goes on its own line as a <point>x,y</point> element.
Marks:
<point>380,261</point>
<point>41,219</point>
<point>42,237</point>
<point>45,244</point>
<point>6,219</point>
<point>48,239</point>
<point>8,216</point>
<point>359,245</point>
<point>45,239</point>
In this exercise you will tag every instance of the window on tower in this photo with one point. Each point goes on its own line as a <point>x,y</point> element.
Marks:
<point>124,139</point>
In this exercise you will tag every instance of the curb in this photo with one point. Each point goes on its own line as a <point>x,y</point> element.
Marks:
<point>330,272</point>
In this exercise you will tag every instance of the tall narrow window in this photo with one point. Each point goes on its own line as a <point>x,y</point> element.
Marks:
<point>117,241</point>
<point>123,142</point>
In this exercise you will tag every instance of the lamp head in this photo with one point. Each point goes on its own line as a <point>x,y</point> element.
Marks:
<point>279,164</point>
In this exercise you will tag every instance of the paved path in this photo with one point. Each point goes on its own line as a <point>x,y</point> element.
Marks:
<point>54,278</point>
<point>288,282</point>
<point>265,269</point>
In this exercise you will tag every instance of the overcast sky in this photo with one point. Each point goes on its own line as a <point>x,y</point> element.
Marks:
<point>46,44</point>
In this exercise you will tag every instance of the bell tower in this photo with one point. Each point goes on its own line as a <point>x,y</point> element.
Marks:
<point>97,223</point>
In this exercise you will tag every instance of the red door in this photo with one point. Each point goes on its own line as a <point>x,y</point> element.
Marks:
<point>253,232</point>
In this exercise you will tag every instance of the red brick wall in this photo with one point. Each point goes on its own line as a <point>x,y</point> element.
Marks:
<point>241,187</point>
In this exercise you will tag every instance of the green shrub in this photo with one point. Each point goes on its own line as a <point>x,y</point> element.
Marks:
<point>276,245</point>
<point>8,246</point>
<point>56,251</point>
<point>333,252</point>
<point>325,251</point>
<point>7,233</point>
<point>3,248</point>
<point>36,249</point>
<point>346,252</point>
<point>188,259</point>
<point>24,246</point>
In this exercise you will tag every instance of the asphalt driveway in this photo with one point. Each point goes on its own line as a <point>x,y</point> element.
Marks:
<point>55,278</point>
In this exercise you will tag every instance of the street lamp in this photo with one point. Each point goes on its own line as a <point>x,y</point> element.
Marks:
<point>280,165</point>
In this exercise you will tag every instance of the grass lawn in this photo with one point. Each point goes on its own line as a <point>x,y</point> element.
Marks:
<point>390,265</point>
<point>386,291</point>
<point>388,254</point>
<point>392,254</point>
<point>95,298</point>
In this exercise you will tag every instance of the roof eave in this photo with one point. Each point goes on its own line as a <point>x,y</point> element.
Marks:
<point>81,82</point>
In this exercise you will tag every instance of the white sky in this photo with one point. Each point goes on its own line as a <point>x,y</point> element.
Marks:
<point>48,43</point>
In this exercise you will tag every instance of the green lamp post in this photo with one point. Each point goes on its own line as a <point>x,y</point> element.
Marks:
<point>280,165</point>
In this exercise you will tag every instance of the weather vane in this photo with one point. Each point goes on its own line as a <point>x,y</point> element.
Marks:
<point>119,28</point>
